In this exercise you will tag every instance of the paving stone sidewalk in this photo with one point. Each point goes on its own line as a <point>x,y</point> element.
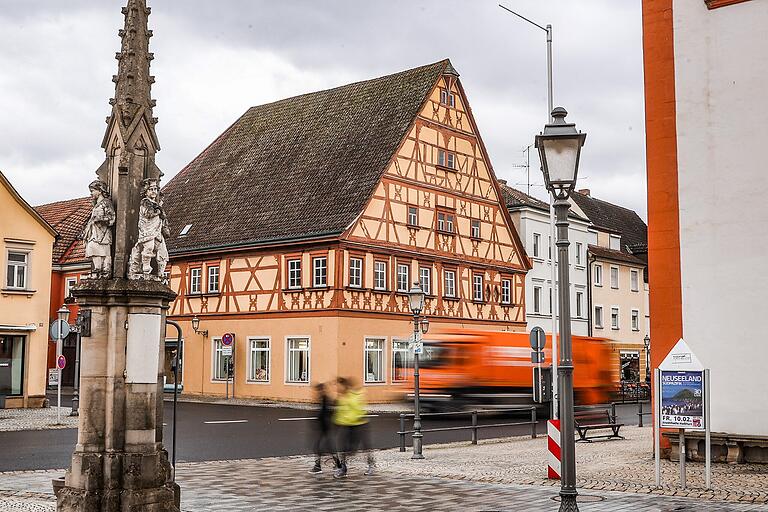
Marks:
<point>615,465</point>
<point>35,419</point>
<point>283,484</point>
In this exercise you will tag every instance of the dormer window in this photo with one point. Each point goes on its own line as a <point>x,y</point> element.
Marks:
<point>185,230</point>
<point>446,159</point>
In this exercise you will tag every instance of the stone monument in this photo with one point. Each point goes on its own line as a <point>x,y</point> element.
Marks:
<point>119,463</point>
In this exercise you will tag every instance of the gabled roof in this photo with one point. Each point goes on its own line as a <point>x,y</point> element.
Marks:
<point>516,199</point>
<point>68,218</point>
<point>24,204</point>
<point>299,168</point>
<point>612,254</point>
<point>615,218</point>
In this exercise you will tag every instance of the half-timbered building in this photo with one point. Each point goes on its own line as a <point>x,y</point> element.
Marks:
<point>301,228</point>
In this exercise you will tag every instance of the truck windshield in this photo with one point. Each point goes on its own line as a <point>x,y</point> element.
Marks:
<point>435,354</point>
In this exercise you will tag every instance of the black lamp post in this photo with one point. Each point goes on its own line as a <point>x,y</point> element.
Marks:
<point>559,150</point>
<point>416,299</point>
<point>647,343</point>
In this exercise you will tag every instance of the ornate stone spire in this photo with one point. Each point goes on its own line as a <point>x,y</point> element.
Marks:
<point>130,141</point>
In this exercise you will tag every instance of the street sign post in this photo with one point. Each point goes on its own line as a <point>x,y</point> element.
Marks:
<point>228,342</point>
<point>61,362</point>
<point>682,402</point>
<point>538,339</point>
<point>59,330</point>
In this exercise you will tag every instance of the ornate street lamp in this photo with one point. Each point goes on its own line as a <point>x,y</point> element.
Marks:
<point>416,298</point>
<point>196,327</point>
<point>559,149</point>
<point>647,343</point>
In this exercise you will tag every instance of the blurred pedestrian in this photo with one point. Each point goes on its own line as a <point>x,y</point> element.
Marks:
<point>353,425</point>
<point>324,439</point>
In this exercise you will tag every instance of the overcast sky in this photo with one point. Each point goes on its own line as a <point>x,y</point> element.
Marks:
<point>214,59</point>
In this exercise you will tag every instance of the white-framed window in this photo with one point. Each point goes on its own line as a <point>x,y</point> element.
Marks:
<point>446,159</point>
<point>319,271</point>
<point>475,228</point>
<point>401,360</point>
<point>220,360</point>
<point>213,279</point>
<point>294,274</point>
<point>402,277</point>
<point>69,283</point>
<point>447,97</point>
<point>615,277</point>
<point>635,320</point>
<point>506,291</point>
<point>425,280</point>
<point>355,272</point>
<point>614,242</point>
<point>413,216</point>
<point>536,245</point>
<point>195,278</point>
<point>634,280</point>
<point>579,304</point>
<point>598,317</point>
<point>577,248</point>
<point>537,299</point>
<point>598,271</point>
<point>373,364</point>
<point>549,248</point>
<point>380,275</point>
<point>614,317</point>
<point>477,287</point>
<point>259,359</point>
<point>297,360</point>
<point>449,283</point>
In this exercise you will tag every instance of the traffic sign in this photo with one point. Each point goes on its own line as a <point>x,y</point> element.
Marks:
<point>226,350</point>
<point>59,329</point>
<point>537,357</point>
<point>61,362</point>
<point>538,339</point>
<point>418,347</point>
<point>227,339</point>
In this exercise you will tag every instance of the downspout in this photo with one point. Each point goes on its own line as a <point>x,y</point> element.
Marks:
<point>590,261</point>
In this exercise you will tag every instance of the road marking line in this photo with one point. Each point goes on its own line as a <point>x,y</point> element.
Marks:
<point>219,422</point>
<point>315,417</point>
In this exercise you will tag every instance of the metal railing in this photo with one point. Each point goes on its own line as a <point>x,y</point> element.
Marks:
<point>640,414</point>
<point>474,426</point>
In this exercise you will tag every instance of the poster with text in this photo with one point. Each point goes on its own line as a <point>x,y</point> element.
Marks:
<point>682,404</point>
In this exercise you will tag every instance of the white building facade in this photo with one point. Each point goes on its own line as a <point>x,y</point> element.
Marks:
<point>531,219</point>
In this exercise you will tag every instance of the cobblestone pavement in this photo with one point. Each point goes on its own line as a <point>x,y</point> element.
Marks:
<point>617,465</point>
<point>283,484</point>
<point>35,419</point>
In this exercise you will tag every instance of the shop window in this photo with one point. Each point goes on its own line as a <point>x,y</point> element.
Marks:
<point>11,365</point>
<point>630,366</point>
<point>400,360</point>
<point>220,360</point>
<point>258,360</point>
<point>298,360</point>
<point>374,360</point>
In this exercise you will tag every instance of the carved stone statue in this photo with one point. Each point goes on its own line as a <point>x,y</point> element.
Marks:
<point>97,235</point>
<point>153,228</point>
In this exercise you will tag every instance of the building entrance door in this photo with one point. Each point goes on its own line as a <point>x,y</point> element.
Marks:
<point>11,365</point>
<point>69,349</point>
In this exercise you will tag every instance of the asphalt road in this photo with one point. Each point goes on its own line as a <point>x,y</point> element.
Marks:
<point>223,432</point>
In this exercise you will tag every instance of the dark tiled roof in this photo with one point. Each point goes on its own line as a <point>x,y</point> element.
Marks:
<point>611,254</point>
<point>303,167</point>
<point>634,232</point>
<point>515,198</point>
<point>68,218</point>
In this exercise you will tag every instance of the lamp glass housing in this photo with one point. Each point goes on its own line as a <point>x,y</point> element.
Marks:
<point>416,299</point>
<point>559,148</point>
<point>63,313</point>
<point>195,323</point>
<point>424,325</point>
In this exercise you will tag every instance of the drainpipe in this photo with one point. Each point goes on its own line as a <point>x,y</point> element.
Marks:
<point>590,261</point>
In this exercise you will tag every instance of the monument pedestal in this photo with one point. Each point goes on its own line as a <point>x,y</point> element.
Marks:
<point>119,463</point>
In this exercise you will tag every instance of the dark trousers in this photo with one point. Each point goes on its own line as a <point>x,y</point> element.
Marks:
<point>324,444</point>
<point>354,438</point>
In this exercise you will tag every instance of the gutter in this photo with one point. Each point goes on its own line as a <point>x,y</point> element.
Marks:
<point>590,260</point>
<point>252,244</point>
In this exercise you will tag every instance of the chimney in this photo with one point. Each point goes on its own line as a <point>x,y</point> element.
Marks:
<point>585,191</point>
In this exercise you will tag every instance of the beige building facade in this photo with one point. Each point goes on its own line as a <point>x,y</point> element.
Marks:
<point>26,243</point>
<point>327,296</point>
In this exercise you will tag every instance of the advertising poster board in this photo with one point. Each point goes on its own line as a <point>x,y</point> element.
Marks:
<point>682,399</point>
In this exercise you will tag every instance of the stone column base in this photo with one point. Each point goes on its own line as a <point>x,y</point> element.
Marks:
<point>119,482</point>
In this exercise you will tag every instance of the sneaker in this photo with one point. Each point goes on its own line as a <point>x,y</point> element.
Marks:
<point>340,473</point>
<point>369,471</point>
<point>316,469</point>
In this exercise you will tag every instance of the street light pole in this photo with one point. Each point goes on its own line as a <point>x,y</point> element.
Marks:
<point>559,150</point>
<point>416,298</point>
<point>647,343</point>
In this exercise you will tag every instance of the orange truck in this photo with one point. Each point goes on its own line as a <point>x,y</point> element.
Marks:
<point>463,368</point>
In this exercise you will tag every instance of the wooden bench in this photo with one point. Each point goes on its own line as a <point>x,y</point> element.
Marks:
<point>584,421</point>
